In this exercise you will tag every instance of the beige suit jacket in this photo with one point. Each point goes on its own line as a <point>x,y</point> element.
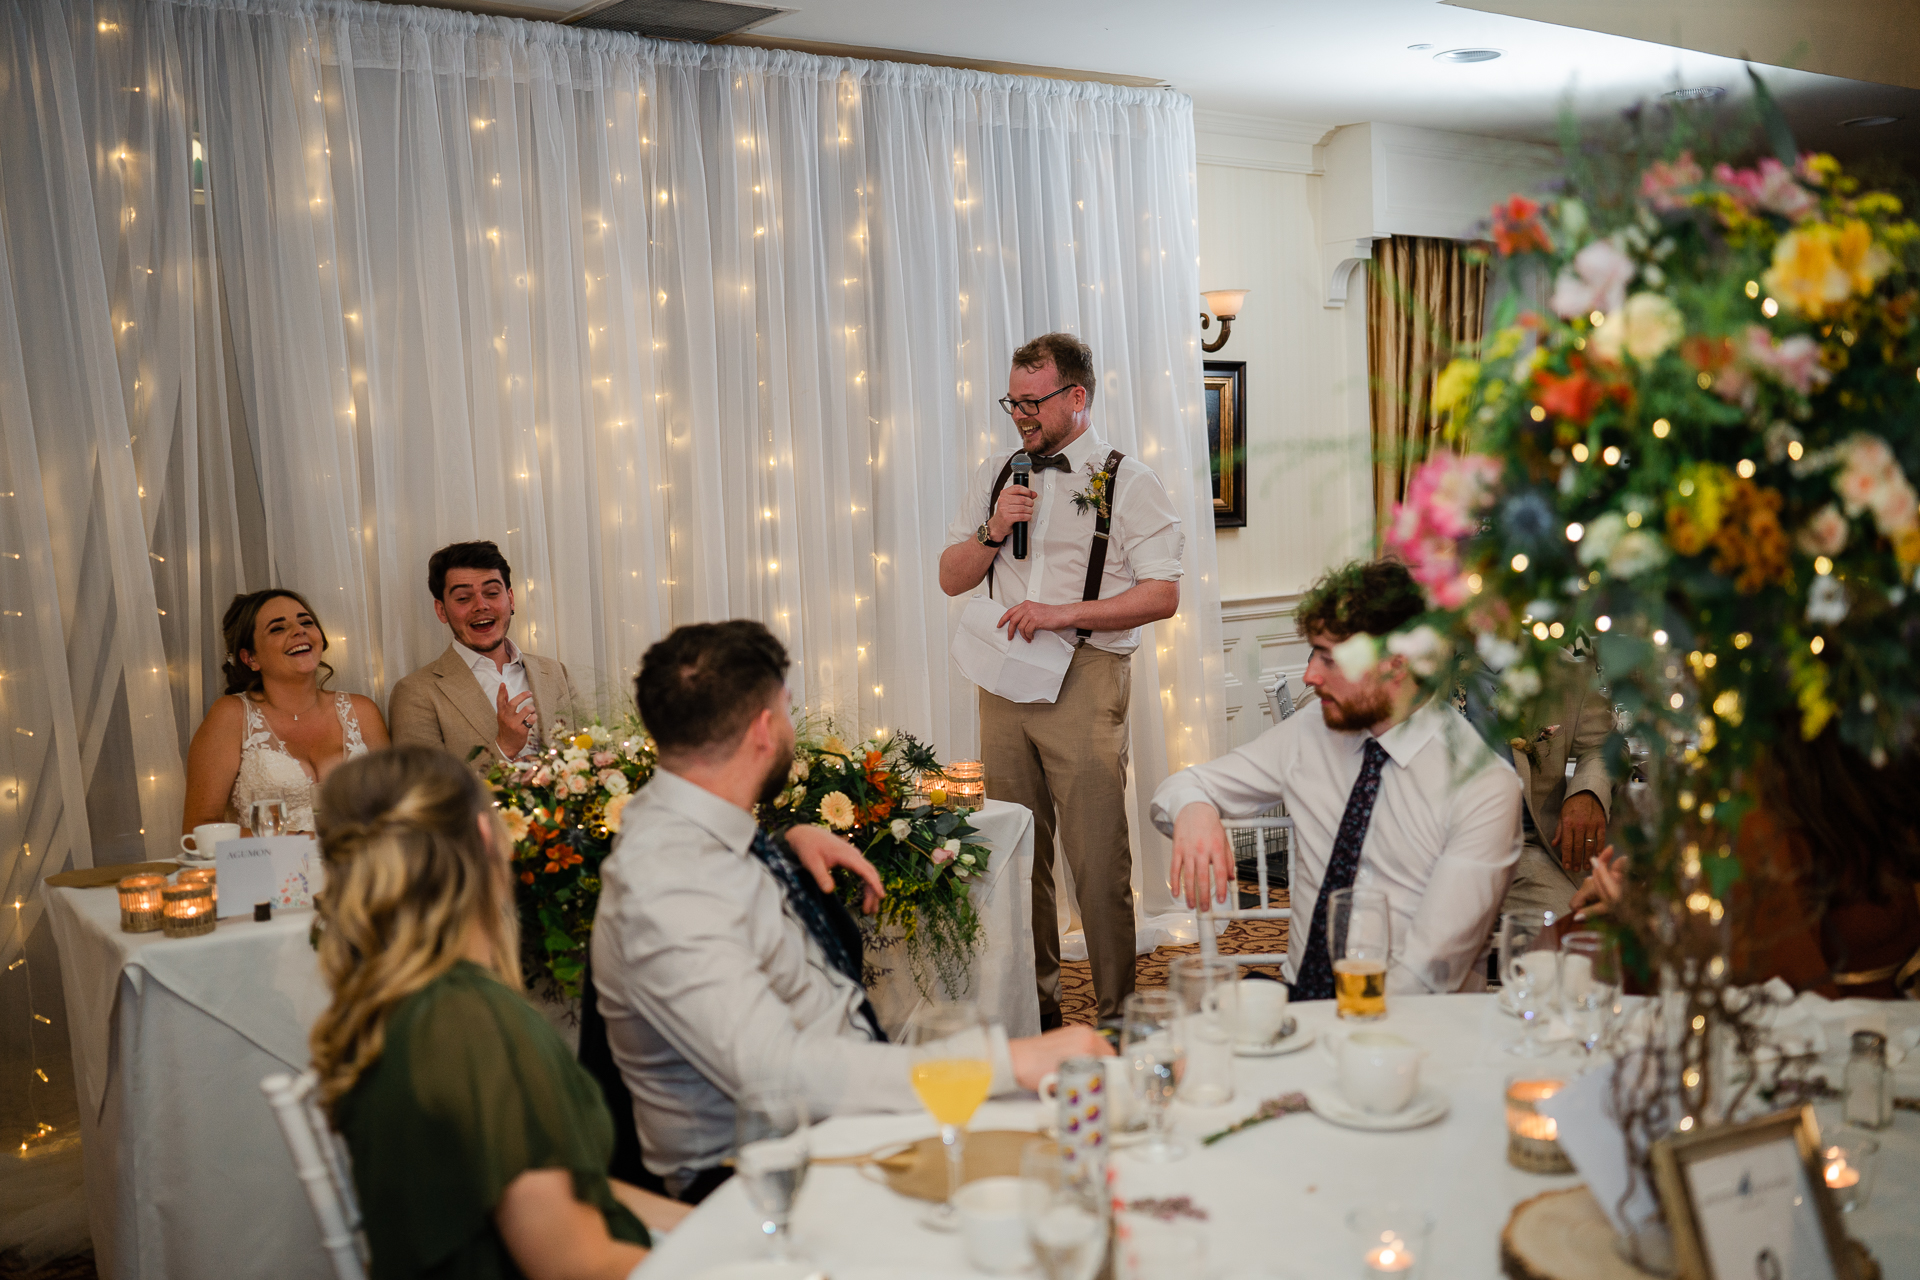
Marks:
<point>1581,718</point>
<point>441,705</point>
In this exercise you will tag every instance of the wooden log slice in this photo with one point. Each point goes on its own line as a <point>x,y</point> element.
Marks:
<point>1562,1235</point>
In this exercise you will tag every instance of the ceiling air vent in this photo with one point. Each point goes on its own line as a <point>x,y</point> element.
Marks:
<point>678,19</point>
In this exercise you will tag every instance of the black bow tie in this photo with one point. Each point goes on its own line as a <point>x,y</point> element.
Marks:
<point>1054,462</point>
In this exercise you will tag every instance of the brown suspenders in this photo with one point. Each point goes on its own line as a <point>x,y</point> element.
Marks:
<point>1102,527</point>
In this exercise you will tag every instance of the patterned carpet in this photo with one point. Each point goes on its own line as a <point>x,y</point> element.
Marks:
<point>1243,937</point>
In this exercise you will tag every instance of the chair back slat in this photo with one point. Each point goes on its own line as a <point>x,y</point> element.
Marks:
<point>1262,828</point>
<point>320,1162</point>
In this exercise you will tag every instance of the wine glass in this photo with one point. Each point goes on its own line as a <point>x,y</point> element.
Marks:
<point>953,1074</point>
<point>1589,985</point>
<point>1065,1212</point>
<point>770,1155</point>
<point>1152,1038</point>
<point>1529,969</point>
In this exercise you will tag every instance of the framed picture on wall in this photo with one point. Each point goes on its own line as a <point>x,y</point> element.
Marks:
<point>1226,398</point>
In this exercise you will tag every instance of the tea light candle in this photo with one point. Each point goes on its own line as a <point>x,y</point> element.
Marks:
<point>1532,1138</point>
<point>1840,1174</point>
<point>1848,1167</point>
<point>967,783</point>
<point>1389,1258</point>
<point>140,902</point>
<point>201,875</point>
<point>188,909</point>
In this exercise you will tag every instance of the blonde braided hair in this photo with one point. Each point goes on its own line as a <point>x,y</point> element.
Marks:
<point>409,876</point>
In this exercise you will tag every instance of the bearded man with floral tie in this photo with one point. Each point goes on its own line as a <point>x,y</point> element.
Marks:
<point>1388,790</point>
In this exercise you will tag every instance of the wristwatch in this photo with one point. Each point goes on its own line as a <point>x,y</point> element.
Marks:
<point>984,534</point>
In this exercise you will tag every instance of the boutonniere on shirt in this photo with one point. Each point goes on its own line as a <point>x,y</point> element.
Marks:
<point>1531,748</point>
<point>1094,496</point>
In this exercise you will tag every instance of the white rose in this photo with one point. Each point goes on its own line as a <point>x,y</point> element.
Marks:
<point>1496,653</point>
<point>953,845</point>
<point>900,828</point>
<point>614,781</point>
<point>1827,601</point>
<point>1635,553</point>
<point>1423,648</point>
<point>1644,328</point>
<point>1601,537</point>
<point>1356,655</point>
<point>1521,682</point>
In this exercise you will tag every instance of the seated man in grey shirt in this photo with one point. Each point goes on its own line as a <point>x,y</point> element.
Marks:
<point>721,971</point>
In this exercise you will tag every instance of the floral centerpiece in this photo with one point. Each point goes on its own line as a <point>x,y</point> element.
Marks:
<point>1697,463</point>
<point>562,810</point>
<point>924,853</point>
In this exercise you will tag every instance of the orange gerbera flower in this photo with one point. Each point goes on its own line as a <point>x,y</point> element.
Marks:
<point>1578,395</point>
<point>1517,229</point>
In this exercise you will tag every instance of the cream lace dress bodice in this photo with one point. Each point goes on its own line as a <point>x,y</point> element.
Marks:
<point>268,770</point>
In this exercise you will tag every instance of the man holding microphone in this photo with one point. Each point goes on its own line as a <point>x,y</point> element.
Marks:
<point>1102,560</point>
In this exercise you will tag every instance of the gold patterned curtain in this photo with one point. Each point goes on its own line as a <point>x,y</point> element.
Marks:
<point>1424,299</point>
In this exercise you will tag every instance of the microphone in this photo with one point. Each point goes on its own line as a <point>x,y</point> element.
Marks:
<point>1022,476</point>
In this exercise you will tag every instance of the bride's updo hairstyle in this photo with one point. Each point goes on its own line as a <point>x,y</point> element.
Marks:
<point>236,629</point>
<point>410,875</point>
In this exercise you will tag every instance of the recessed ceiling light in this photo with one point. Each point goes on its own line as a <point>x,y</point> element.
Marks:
<point>1868,122</point>
<point>1704,93</point>
<point>1415,48</point>
<point>1468,55</point>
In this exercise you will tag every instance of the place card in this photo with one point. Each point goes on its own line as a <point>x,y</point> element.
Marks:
<point>283,870</point>
<point>1591,1138</point>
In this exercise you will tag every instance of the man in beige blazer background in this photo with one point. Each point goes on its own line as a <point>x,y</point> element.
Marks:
<point>483,699</point>
<point>1566,813</point>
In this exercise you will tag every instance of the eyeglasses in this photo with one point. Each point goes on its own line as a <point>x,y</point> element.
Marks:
<point>1027,408</point>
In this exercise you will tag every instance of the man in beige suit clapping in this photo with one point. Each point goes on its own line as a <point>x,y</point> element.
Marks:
<point>483,699</point>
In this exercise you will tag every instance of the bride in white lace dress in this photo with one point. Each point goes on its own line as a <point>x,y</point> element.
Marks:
<point>278,733</point>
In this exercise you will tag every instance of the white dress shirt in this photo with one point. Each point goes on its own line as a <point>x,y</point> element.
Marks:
<point>512,676</point>
<point>711,988</point>
<point>1144,544</point>
<point>1442,842</point>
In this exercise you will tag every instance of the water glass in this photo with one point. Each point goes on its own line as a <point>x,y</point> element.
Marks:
<point>1208,990</point>
<point>269,818</point>
<point>771,1150</point>
<point>1066,1214</point>
<point>1360,945</point>
<point>1529,973</point>
<point>1152,1038</point>
<point>953,1074</point>
<point>1589,986</point>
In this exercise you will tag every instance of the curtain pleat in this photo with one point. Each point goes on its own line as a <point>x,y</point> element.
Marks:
<point>1425,299</point>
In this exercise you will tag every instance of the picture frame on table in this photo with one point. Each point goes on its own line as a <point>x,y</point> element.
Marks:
<point>1750,1201</point>
<point>1226,402</point>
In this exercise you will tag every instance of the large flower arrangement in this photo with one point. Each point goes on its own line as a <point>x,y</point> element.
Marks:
<point>924,853</point>
<point>562,810</point>
<point>1697,462</point>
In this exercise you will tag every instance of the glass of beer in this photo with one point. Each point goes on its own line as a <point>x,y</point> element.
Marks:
<point>1360,944</point>
<point>953,1074</point>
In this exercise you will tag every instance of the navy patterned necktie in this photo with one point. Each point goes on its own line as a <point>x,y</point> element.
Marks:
<point>826,921</point>
<point>1314,978</point>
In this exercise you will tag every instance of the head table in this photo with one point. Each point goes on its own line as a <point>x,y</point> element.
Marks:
<point>1277,1195</point>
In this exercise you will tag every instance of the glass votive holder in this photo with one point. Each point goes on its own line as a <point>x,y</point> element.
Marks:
<point>200,875</point>
<point>1394,1241</point>
<point>1847,1157</point>
<point>966,784</point>
<point>1533,1139</point>
<point>188,909</point>
<point>140,902</point>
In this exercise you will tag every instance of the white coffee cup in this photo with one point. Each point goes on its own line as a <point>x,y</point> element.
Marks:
<point>1379,1071</point>
<point>1123,1104</point>
<point>1263,1011</point>
<point>993,1229</point>
<point>205,836</point>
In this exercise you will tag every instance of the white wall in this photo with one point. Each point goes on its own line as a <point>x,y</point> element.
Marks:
<point>1283,205</point>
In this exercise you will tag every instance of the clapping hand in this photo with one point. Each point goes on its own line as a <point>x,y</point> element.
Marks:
<point>515,720</point>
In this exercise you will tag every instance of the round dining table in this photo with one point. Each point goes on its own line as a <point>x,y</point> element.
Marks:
<point>1276,1196</point>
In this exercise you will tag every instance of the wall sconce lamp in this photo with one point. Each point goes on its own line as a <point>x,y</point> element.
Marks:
<point>1225,304</point>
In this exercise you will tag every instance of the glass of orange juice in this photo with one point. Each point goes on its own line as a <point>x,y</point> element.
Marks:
<point>952,1073</point>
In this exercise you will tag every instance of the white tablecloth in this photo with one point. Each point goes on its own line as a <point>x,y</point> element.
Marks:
<point>1277,1195</point>
<point>1002,972</point>
<point>187,1174</point>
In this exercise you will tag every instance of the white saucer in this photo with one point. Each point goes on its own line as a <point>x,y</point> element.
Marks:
<point>1327,1102</point>
<point>766,1269</point>
<point>1300,1039</point>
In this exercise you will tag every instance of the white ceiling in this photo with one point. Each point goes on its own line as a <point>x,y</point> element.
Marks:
<point>1344,61</point>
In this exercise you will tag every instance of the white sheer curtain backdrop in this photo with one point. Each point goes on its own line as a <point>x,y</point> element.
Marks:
<point>295,292</point>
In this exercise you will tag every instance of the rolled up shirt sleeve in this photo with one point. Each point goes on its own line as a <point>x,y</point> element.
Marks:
<point>1146,528</point>
<point>973,508</point>
<point>1240,784</point>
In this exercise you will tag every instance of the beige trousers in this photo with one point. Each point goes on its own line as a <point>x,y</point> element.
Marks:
<point>1067,761</point>
<point>1540,883</point>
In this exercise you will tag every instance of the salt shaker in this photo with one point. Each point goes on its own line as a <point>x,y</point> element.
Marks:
<point>1869,1085</point>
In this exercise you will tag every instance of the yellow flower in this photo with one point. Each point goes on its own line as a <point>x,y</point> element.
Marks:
<point>1646,326</point>
<point>834,747</point>
<point>837,810</point>
<point>1906,547</point>
<point>583,740</point>
<point>516,824</point>
<point>1819,266</point>
<point>1863,260</point>
<point>1506,342</point>
<point>616,807</point>
<point>1697,506</point>
<point>1455,383</point>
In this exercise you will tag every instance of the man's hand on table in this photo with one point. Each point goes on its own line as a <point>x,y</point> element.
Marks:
<point>1034,1056</point>
<point>1200,851</point>
<point>820,851</point>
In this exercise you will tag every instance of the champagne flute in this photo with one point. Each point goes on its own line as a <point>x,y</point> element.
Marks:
<point>953,1074</point>
<point>1589,985</point>
<point>770,1156</point>
<point>1529,968</point>
<point>1066,1214</point>
<point>1152,1038</point>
